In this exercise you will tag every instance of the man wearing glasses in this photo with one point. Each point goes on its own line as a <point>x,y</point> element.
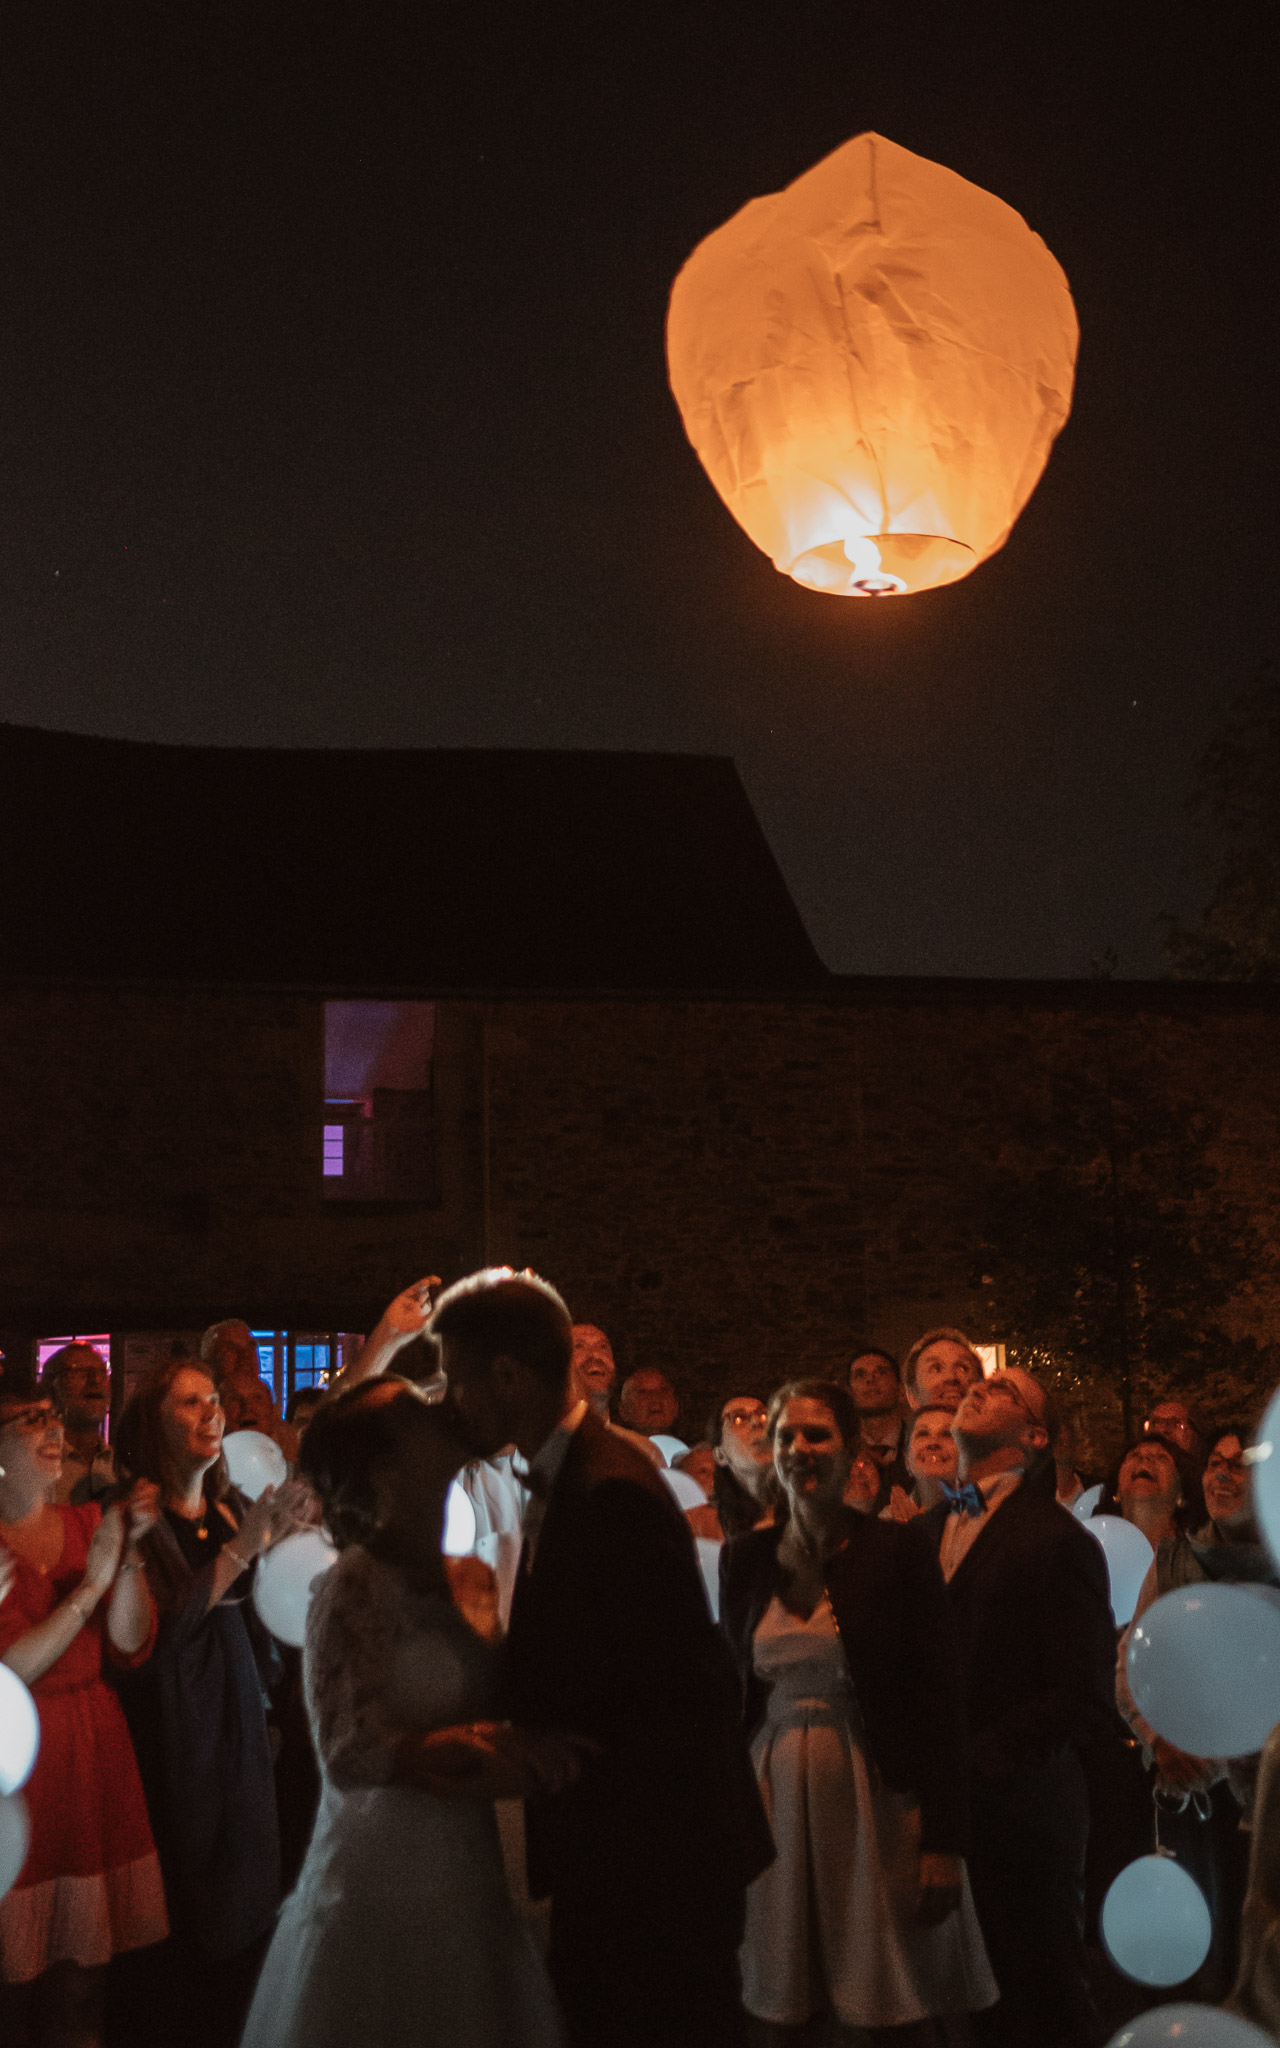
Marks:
<point>78,1381</point>
<point>1028,1590</point>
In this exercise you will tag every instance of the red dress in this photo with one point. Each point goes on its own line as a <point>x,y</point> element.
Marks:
<point>91,1883</point>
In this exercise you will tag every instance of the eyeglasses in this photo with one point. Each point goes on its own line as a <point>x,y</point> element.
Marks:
<point>32,1420</point>
<point>735,1417</point>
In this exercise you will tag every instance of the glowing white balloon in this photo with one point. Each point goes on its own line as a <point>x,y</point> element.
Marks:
<point>670,1446</point>
<point>1128,1556</point>
<point>15,1834</point>
<point>685,1488</point>
<point>1264,1470</point>
<point>285,1579</point>
<point>19,1731</point>
<point>1087,1502</point>
<point>1204,1667</point>
<point>1155,1922</point>
<point>708,1550</point>
<point>254,1461</point>
<point>1189,2026</point>
<point>459,1522</point>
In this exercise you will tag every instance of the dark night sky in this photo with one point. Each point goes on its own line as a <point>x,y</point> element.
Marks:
<point>333,412</point>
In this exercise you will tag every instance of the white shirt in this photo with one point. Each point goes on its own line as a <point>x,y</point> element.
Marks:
<point>962,1529</point>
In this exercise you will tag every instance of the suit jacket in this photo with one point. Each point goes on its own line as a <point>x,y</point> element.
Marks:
<point>1032,1612</point>
<point>610,1637</point>
<point>890,1605</point>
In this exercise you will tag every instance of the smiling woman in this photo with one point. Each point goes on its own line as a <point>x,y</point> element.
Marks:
<point>840,1626</point>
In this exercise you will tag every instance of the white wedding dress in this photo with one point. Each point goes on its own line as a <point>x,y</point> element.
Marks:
<point>401,1932</point>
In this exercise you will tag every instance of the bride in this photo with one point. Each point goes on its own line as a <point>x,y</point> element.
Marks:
<point>401,1928</point>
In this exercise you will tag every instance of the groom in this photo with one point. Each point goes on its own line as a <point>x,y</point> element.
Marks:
<point>647,1858</point>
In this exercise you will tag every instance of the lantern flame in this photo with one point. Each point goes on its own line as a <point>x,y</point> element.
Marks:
<point>872,366</point>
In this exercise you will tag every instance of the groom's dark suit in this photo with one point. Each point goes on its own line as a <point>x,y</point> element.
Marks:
<point>647,1859</point>
<point>1037,1647</point>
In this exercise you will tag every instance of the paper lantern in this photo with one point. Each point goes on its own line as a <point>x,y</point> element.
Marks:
<point>872,366</point>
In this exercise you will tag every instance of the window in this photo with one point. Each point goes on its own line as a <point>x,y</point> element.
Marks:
<point>378,1139</point>
<point>289,1359</point>
<point>993,1358</point>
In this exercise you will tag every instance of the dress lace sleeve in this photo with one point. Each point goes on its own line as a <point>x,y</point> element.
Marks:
<point>353,1625</point>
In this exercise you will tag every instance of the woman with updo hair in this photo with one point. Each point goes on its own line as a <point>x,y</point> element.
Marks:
<point>842,1634</point>
<point>401,1918</point>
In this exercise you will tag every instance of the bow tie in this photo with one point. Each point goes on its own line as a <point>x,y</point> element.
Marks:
<point>964,1500</point>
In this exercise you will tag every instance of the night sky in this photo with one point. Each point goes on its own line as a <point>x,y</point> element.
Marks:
<point>333,412</point>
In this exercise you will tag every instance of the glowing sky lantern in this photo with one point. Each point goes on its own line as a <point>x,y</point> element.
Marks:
<point>872,366</point>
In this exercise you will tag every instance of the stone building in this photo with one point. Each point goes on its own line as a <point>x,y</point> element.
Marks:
<point>280,1032</point>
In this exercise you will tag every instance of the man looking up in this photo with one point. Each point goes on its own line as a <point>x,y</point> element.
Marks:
<point>647,1858</point>
<point>877,1396</point>
<point>594,1373</point>
<point>647,1402</point>
<point>1028,1590</point>
<point>941,1366</point>
<point>78,1380</point>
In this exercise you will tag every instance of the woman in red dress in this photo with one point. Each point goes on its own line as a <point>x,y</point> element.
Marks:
<point>91,1885</point>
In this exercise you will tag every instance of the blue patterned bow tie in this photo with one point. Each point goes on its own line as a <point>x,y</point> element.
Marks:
<point>964,1500</point>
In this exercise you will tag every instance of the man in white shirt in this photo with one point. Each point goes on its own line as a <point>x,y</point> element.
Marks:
<point>79,1380</point>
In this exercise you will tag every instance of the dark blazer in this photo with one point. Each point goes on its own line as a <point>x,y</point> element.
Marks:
<point>1037,1642</point>
<point>890,1606</point>
<point>610,1637</point>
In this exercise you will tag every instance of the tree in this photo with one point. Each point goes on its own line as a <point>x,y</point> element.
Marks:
<point>1236,799</point>
<point>1111,1248</point>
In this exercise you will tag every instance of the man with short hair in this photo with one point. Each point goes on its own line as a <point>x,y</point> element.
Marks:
<point>1029,1594</point>
<point>594,1372</point>
<point>1172,1421</point>
<point>230,1350</point>
<point>78,1379</point>
<point>647,1858</point>
<point>877,1396</point>
<point>940,1368</point>
<point>647,1402</point>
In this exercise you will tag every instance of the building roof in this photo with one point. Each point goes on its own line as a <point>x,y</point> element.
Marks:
<point>449,871</point>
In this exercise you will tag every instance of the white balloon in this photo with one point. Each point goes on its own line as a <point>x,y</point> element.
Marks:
<point>1156,1923</point>
<point>285,1579</point>
<point>685,1488</point>
<point>15,1834</point>
<point>459,1522</point>
<point>1264,1471</point>
<point>1087,1502</point>
<point>670,1446</point>
<point>1128,1556</point>
<point>708,1549</point>
<point>1204,1667</point>
<point>254,1461</point>
<point>19,1732</point>
<point>1189,2026</point>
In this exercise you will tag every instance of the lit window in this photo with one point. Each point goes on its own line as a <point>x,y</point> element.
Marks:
<point>379,1102</point>
<point>993,1358</point>
<point>332,1149</point>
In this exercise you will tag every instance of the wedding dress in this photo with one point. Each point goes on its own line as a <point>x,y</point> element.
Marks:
<point>401,1932</point>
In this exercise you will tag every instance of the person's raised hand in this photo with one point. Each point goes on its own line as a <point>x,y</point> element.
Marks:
<point>141,1507</point>
<point>294,1506</point>
<point>408,1315</point>
<point>105,1546</point>
<point>941,1878</point>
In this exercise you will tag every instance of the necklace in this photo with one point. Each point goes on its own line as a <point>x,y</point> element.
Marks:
<point>197,1523</point>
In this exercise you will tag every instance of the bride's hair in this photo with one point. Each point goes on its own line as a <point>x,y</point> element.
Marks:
<point>348,1437</point>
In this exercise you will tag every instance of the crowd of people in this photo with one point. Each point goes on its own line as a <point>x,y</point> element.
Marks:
<point>811,1723</point>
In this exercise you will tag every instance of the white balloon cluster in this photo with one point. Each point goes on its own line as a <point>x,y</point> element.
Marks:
<point>1203,1666</point>
<point>254,1461</point>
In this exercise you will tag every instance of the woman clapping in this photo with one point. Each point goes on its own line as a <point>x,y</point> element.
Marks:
<point>90,1886</point>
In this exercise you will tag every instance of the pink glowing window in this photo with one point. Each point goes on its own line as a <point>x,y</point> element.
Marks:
<point>333,1150</point>
<point>379,1121</point>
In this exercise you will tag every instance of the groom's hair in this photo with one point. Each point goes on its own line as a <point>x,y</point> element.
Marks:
<point>513,1315</point>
